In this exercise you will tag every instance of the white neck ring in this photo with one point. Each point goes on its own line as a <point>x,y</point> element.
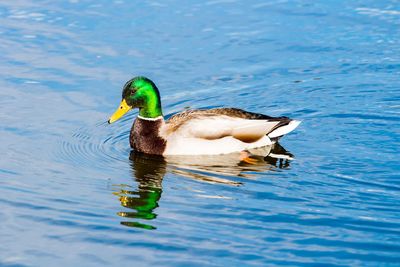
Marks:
<point>150,119</point>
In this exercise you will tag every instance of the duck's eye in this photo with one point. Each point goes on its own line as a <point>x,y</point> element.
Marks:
<point>120,107</point>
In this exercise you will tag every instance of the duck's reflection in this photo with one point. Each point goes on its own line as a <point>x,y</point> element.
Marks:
<point>149,171</point>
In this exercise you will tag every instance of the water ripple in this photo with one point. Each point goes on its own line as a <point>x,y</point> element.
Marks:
<point>97,145</point>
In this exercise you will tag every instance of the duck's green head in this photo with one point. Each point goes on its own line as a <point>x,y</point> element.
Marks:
<point>142,93</point>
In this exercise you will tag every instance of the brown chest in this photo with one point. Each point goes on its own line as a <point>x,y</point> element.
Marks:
<point>144,136</point>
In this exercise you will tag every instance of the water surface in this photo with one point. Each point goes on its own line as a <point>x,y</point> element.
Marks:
<point>73,193</point>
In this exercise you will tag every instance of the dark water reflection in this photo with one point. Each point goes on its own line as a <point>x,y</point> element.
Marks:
<point>148,172</point>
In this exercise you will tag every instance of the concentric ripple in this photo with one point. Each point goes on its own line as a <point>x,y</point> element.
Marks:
<point>98,144</point>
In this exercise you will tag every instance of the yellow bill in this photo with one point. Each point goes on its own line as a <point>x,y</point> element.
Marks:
<point>122,109</point>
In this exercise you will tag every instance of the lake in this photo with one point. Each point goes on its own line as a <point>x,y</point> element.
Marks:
<point>73,193</point>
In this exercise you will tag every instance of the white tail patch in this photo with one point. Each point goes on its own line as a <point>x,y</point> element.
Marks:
<point>284,129</point>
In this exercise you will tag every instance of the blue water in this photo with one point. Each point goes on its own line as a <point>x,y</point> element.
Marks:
<point>73,194</point>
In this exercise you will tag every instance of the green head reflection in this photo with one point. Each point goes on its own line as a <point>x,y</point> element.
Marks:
<point>148,171</point>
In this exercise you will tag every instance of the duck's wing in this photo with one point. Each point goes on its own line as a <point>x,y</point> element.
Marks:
<point>231,112</point>
<point>221,122</point>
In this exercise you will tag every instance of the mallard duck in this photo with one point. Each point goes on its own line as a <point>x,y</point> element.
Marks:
<point>194,132</point>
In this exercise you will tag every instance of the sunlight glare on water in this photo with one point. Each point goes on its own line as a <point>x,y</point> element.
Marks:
<point>73,193</point>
